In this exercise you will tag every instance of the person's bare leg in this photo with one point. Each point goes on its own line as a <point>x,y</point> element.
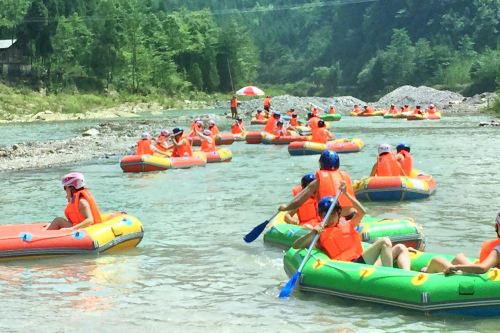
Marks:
<point>382,247</point>
<point>437,265</point>
<point>58,223</point>
<point>460,259</point>
<point>402,256</point>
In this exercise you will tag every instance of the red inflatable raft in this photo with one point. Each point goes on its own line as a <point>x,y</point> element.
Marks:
<point>146,163</point>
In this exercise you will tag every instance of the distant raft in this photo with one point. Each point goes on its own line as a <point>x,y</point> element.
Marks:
<point>314,148</point>
<point>116,231</point>
<point>395,115</point>
<point>331,117</point>
<point>434,116</point>
<point>220,139</point>
<point>394,188</point>
<point>147,163</point>
<point>403,230</point>
<point>460,294</point>
<point>255,121</point>
<point>220,155</point>
<point>268,138</point>
<point>369,114</point>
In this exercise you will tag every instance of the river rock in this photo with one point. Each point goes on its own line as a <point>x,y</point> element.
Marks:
<point>91,132</point>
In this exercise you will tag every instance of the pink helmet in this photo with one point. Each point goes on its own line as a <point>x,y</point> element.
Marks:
<point>211,122</point>
<point>207,132</point>
<point>165,132</point>
<point>74,179</point>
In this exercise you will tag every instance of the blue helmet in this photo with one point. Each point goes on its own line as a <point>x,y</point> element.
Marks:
<point>403,146</point>
<point>306,179</point>
<point>329,160</point>
<point>325,203</point>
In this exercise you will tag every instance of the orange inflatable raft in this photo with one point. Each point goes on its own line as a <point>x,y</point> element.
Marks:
<point>268,138</point>
<point>116,231</point>
<point>147,163</point>
<point>314,148</point>
<point>220,155</point>
<point>419,186</point>
<point>255,121</point>
<point>220,139</point>
<point>253,137</point>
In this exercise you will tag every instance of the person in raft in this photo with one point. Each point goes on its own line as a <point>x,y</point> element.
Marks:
<point>212,126</point>
<point>417,111</point>
<point>145,145</point>
<point>280,130</point>
<point>238,126</point>
<point>271,122</point>
<point>404,157</point>
<point>182,145</point>
<point>321,134</point>
<point>489,257</point>
<point>326,183</point>
<point>162,145</point>
<point>207,141</point>
<point>81,210</point>
<point>307,214</point>
<point>259,115</point>
<point>340,240</point>
<point>386,164</point>
<point>356,109</point>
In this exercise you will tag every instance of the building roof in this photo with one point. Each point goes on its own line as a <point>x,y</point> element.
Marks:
<point>6,43</point>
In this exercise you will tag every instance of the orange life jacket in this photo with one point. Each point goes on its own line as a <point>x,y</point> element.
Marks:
<point>236,128</point>
<point>294,121</point>
<point>392,110</point>
<point>207,146</point>
<point>279,131</point>
<point>182,150</point>
<point>259,116</point>
<point>214,129</point>
<point>370,110</point>
<point>341,242</point>
<point>332,110</point>
<point>72,210</point>
<point>234,102</point>
<point>431,110</point>
<point>417,111</point>
<point>320,135</point>
<point>267,102</point>
<point>328,185</point>
<point>486,249</point>
<point>313,123</point>
<point>407,163</point>
<point>356,110</point>
<point>144,147</point>
<point>406,108</point>
<point>160,142</point>
<point>387,166</point>
<point>307,213</point>
<point>270,125</point>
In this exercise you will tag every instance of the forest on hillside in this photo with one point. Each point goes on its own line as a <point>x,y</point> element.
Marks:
<point>361,47</point>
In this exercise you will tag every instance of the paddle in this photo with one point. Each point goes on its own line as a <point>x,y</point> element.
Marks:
<point>255,232</point>
<point>290,285</point>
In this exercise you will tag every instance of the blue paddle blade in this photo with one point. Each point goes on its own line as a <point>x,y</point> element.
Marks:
<point>252,235</point>
<point>288,288</point>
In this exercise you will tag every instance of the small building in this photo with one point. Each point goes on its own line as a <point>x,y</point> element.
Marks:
<point>12,62</point>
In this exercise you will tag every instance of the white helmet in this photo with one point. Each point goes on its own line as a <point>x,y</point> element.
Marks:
<point>145,135</point>
<point>431,106</point>
<point>74,179</point>
<point>384,148</point>
<point>211,122</point>
<point>165,132</point>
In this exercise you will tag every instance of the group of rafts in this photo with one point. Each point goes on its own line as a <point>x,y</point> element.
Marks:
<point>431,113</point>
<point>473,294</point>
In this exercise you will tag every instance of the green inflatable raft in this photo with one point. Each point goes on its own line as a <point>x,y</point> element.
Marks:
<point>331,117</point>
<point>402,230</point>
<point>464,294</point>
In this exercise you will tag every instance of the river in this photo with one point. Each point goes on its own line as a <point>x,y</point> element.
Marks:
<point>193,272</point>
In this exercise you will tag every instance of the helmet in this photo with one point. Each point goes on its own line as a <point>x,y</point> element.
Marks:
<point>277,114</point>
<point>207,132</point>
<point>165,132</point>
<point>309,115</point>
<point>329,160</point>
<point>239,120</point>
<point>199,122</point>
<point>384,148</point>
<point>325,203</point>
<point>321,123</point>
<point>259,111</point>
<point>403,146</point>
<point>306,179</point>
<point>211,122</point>
<point>177,131</point>
<point>279,122</point>
<point>145,135</point>
<point>294,115</point>
<point>74,179</point>
<point>431,106</point>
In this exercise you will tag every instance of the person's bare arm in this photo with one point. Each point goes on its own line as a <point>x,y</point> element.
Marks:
<point>305,194</point>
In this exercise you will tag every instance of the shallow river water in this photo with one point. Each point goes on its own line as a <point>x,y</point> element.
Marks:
<point>192,272</point>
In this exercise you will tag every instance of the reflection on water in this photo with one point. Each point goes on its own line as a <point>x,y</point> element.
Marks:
<point>193,272</point>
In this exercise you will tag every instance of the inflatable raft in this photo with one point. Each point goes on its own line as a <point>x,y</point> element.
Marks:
<point>331,117</point>
<point>117,231</point>
<point>220,139</point>
<point>463,294</point>
<point>394,188</point>
<point>364,114</point>
<point>220,155</point>
<point>147,163</point>
<point>268,138</point>
<point>400,231</point>
<point>258,121</point>
<point>435,116</point>
<point>314,148</point>
<point>395,116</point>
